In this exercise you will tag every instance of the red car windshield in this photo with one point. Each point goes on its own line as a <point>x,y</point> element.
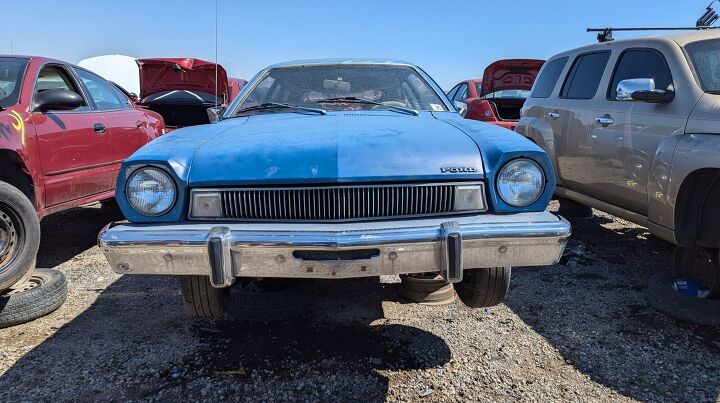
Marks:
<point>12,70</point>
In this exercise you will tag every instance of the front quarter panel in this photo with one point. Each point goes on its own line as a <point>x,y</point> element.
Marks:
<point>498,146</point>
<point>172,153</point>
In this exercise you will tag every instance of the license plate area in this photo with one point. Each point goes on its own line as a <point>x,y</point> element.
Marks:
<point>330,255</point>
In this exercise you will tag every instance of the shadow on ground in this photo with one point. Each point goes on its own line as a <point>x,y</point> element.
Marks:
<point>592,308</point>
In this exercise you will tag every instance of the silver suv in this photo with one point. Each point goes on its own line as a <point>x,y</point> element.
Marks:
<point>633,128</point>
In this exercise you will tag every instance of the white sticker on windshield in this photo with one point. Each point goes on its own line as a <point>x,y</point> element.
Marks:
<point>436,107</point>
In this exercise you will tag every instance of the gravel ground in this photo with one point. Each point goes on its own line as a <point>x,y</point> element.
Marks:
<point>580,330</point>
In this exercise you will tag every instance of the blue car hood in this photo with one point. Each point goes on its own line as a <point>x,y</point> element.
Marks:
<point>338,147</point>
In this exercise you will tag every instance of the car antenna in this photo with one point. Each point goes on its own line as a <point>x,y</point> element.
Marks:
<point>706,21</point>
<point>216,51</point>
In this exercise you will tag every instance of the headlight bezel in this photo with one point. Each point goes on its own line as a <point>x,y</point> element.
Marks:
<point>544,181</point>
<point>162,171</point>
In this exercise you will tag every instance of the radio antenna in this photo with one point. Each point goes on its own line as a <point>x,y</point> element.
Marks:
<point>216,51</point>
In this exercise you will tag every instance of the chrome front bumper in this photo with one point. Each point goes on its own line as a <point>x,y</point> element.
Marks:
<point>224,251</point>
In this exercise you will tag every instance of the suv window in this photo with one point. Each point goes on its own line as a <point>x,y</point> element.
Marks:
<point>584,77</point>
<point>55,77</point>
<point>101,92</point>
<point>545,83</point>
<point>641,63</point>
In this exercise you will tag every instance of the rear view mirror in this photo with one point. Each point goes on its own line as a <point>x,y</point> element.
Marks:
<point>461,107</point>
<point>215,113</point>
<point>336,85</point>
<point>57,100</point>
<point>642,89</point>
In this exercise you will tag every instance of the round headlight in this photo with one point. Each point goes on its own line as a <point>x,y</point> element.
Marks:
<point>520,182</point>
<point>151,191</point>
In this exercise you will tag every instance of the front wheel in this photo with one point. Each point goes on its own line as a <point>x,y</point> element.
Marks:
<point>19,235</point>
<point>201,299</point>
<point>485,287</point>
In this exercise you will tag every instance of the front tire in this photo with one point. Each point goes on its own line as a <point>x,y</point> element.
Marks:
<point>481,288</point>
<point>699,264</point>
<point>201,299</point>
<point>19,235</point>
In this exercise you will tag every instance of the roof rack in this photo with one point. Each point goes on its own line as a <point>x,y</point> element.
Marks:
<point>705,21</point>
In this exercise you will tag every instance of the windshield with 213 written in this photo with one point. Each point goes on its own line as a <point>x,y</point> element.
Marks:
<point>341,88</point>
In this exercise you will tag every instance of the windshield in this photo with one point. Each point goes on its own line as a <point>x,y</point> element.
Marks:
<point>308,86</point>
<point>12,70</point>
<point>705,58</point>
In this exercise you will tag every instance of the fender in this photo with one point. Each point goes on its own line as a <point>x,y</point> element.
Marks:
<point>17,135</point>
<point>539,131</point>
<point>676,159</point>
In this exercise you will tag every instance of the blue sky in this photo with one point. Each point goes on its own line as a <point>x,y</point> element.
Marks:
<point>452,41</point>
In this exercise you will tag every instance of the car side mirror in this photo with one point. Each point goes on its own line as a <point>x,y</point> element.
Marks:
<point>642,89</point>
<point>461,107</point>
<point>215,113</point>
<point>57,100</point>
<point>134,97</point>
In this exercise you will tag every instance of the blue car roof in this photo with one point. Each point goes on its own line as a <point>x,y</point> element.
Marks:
<point>297,63</point>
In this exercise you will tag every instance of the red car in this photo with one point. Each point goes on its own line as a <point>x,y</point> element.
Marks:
<point>64,132</point>
<point>182,89</point>
<point>498,97</point>
<point>235,85</point>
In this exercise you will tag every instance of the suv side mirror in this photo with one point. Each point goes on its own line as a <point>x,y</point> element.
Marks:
<point>57,100</point>
<point>214,113</point>
<point>642,89</point>
<point>461,107</point>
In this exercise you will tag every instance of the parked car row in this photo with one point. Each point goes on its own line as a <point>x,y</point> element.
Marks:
<point>355,168</point>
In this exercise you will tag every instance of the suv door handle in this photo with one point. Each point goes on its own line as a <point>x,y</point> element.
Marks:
<point>554,115</point>
<point>99,128</point>
<point>605,121</point>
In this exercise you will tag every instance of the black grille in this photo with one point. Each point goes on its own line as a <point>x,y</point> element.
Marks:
<point>328,203</point>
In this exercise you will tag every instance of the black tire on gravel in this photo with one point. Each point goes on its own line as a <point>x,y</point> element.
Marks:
<point>201,299</point>
<point>19,235</point>
<point>270,299</point>
<point>426,289</point>
<point>44,292</point>
<point>481,288</point>
<point>701,311</point>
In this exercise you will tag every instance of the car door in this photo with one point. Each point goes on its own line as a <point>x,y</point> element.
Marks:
<point>626,134</point>
<point>569,117</point>
<point>74,153</point>
<point>124,125</point>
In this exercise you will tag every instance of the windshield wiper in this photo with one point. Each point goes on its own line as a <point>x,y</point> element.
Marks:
<point>277,105</point>
<point>356,100</point>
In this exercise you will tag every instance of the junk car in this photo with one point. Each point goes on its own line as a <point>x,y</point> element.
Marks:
<point>336,169</point>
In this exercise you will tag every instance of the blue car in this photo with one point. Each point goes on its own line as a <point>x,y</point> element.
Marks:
<point>336,169</point>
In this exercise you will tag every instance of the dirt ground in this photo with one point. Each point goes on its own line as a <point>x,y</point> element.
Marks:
<point>580,330</point>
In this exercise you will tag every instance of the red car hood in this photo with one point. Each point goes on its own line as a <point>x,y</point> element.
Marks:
<point>510,74</point>
<point>169,74</point>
